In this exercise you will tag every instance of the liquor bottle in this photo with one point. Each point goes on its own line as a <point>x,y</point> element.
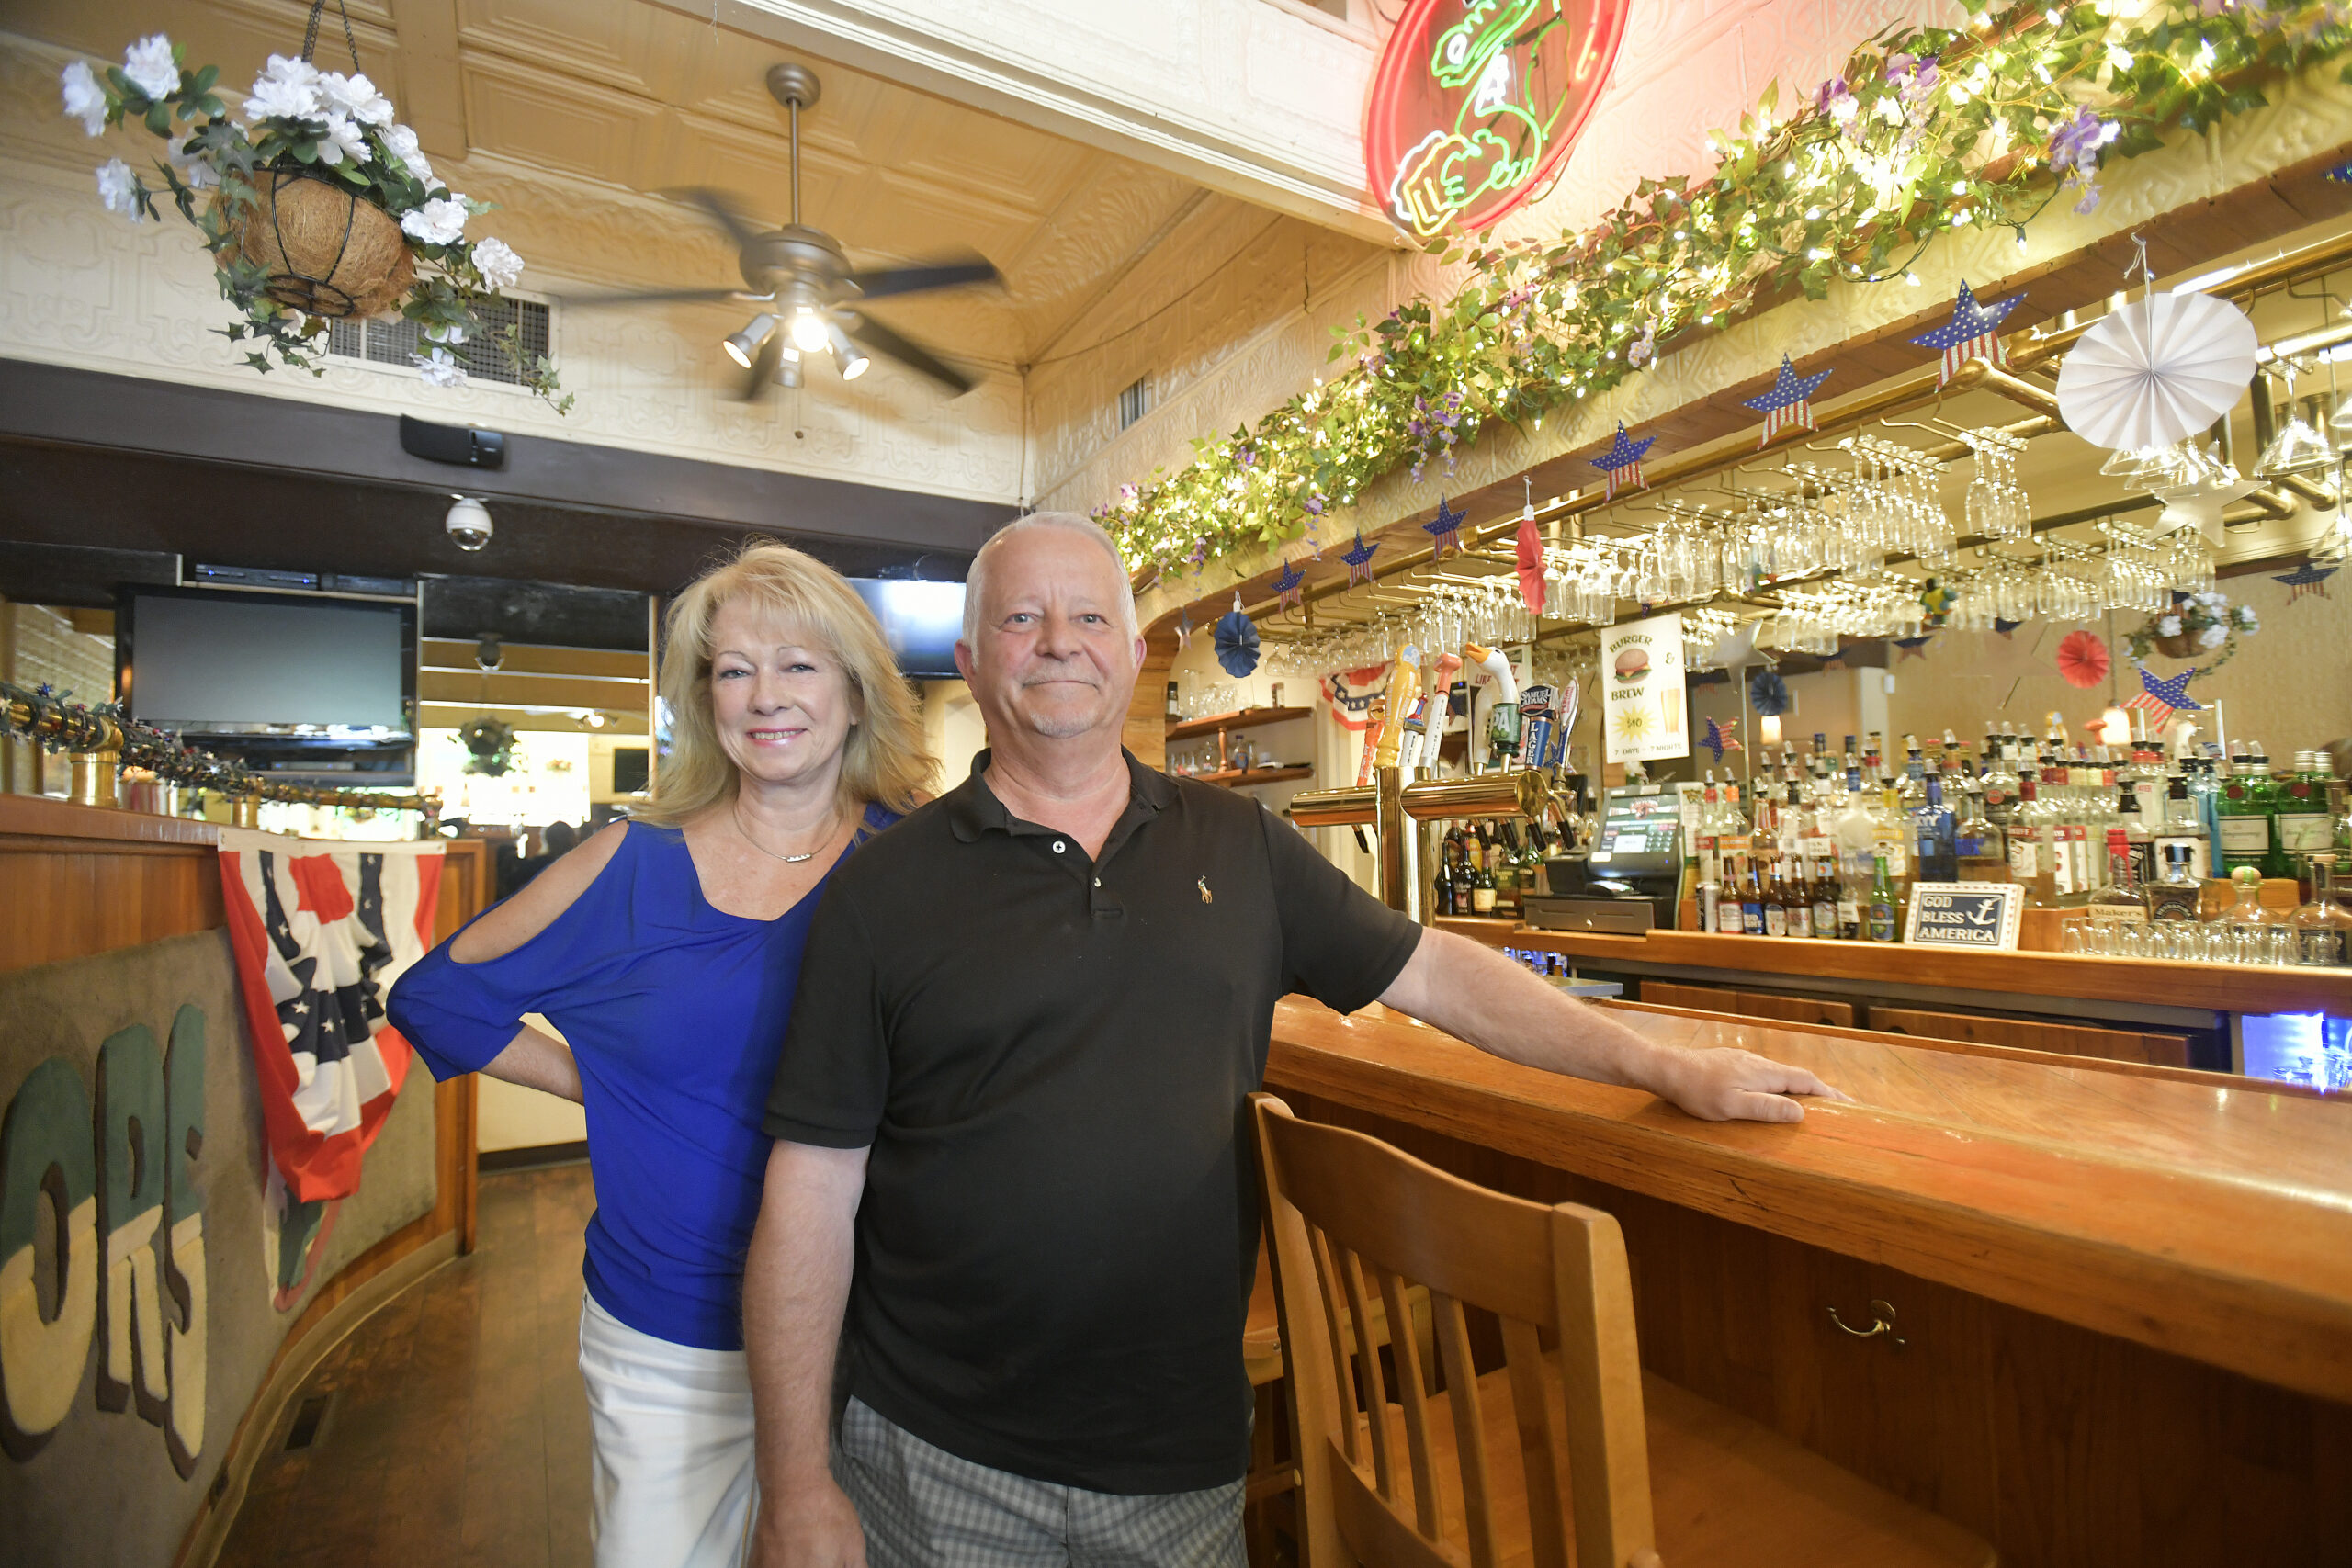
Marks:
<point>2304,828</point>
<point>2184,825</point>
<point>1706,834</point>
<point>2323,928</point>
<point>1912,788</point>
<point>2000,781</point>
<point>1751,900</point>
<point>1823,912</point>
<point>2205,791</point>
<point>2125,818</point>
<point>2245,819</point>
<point>1482,885</point>
<point>1977,842</point>
<point>1459,901</point>
<point>1851,829</point>
<point>1175,704</point>
<point>1936,854</point>
<point>1881,925</point>
<point>2245,886</point>
<point>1505,870</point>
<point>2028,853</point>
<point>2176,896</point>
<point>2121,899</point>
<point>1776,904</point>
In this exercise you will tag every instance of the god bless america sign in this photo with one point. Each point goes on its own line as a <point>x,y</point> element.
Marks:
<point>1475,105</point>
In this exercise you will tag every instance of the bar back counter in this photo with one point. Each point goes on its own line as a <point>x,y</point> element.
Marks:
<point>2099,1311</point>
<point>137,1401</point>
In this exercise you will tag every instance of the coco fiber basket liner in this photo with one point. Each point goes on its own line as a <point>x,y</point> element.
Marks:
<point>329,251</point>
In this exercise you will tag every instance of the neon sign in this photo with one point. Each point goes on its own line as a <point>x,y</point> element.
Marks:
<point>1476,102</point>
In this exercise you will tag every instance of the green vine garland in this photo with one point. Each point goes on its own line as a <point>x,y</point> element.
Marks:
<point>1928,129</point>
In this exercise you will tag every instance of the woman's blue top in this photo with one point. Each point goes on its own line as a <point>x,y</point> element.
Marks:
<point>675,1014</point>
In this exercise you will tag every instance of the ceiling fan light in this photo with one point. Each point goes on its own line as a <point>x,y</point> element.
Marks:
<point>808,331</point>
<point>787,369</point>
<point>847,355</point>
<point>743,346</point>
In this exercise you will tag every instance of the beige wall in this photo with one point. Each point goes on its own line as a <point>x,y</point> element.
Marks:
<point>508,1116</point>
<point>951,729</point>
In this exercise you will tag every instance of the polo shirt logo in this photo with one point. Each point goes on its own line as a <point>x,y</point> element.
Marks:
<point>1203,883</point>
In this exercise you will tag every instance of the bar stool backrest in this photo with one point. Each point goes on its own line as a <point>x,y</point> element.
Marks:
<point>1340,1205</point>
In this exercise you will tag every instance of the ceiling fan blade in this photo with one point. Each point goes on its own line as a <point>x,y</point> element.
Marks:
<point>658,296</point>
<point>882,282</point>
<point>760,379</point>
<point>867,332</point>
<point>721,211</point>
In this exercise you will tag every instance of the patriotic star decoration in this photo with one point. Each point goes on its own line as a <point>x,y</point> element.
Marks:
<point>1445,534</point>
<point>1287,586</point>
<point>1185,631</point>
<point>2005,629</point>
<point>1359,559</point>
<point>1912,647</point>
<point>2306,579</point>
<point>1973,333</point>
<point>1788,406</point>
<point>2160,698</point>
<point>1719,740</point>
<point>1621,465</point>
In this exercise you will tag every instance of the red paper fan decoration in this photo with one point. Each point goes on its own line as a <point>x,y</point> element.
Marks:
<point>1531,566</point>
<point>2083,660</point>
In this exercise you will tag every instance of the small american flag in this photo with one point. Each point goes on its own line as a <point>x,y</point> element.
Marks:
<point>1973,333</point>
<point>2159,699</point>
<point>1719,739</point>
<point>1621,465</point>
<point>1788,406</point>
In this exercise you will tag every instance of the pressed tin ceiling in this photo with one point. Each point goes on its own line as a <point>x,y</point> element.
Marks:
<point>644,98</point>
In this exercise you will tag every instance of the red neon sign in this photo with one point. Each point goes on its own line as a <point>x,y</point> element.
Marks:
<point>1476,103</point>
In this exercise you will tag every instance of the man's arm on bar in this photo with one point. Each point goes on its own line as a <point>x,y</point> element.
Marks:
<point>1476,995</point>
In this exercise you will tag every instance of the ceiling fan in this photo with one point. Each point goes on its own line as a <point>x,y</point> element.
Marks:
<point>807,291</point>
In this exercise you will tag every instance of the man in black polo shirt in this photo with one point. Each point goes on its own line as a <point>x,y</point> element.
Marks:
<point>1009,1119</point>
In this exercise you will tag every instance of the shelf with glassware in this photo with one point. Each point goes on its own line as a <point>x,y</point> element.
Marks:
<point>1244,718</point>
<point>2212,860</point>
<point>1217,756</point>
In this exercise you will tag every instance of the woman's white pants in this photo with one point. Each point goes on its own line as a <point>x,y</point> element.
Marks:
<point>671,1448</point>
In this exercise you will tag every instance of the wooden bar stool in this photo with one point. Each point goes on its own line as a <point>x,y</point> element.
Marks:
<point>1612,1468</point>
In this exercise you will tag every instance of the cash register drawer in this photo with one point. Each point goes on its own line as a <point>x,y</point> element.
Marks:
<point>1621,917</point>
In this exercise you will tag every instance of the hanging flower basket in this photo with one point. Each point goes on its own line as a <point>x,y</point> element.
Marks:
<point>2175,646</point>
<point>328,251</point>
<point>315,202</point>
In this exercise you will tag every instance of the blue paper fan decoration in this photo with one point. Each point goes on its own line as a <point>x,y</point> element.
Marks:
<point>1767,693</point>
<point>1236,641</point>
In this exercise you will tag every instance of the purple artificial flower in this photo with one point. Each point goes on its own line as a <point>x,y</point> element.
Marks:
<point>2073,146</point>
<point>1640,353</point>
<point>1834,99</point>
<point>2089,203</point>
<point>1920,81</point>
<point>1315,505</point>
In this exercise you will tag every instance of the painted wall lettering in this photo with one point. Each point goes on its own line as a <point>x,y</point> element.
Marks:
<point>126,1221</point>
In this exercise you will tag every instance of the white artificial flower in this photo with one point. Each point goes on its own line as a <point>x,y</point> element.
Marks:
<point>287,89</point>
<point>118,187</point>
<point>357,96</point>
<point>343,136</point>
<point>2169,626</point>
<point>440,368</point>
<point>450,336</point>
<point>85,99</point>
<point>2213,637</point>
<point>150,67</point>
<point>441,221</point>
<point>190,168</point>
<point>498,264</point>
<point>401,143</point>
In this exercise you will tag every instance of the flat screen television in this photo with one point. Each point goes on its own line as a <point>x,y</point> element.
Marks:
<point>204,662</point>
<point>922,621</point>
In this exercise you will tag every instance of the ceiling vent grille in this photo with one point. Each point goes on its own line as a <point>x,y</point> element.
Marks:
<point>1135,401</point>
<point>393,339</point>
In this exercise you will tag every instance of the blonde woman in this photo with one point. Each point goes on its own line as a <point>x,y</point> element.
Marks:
<point>667,949</point>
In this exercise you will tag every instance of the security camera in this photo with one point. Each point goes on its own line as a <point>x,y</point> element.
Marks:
<point>469,523</point>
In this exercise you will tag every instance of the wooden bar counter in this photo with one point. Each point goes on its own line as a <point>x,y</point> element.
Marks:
<point>2121,1296</point>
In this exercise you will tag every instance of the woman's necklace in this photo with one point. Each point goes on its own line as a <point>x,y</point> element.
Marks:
<point>833,825</point>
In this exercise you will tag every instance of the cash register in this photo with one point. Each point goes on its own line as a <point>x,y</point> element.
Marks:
<point>1629,881</point>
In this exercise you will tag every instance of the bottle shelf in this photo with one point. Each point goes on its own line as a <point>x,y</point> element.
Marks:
<point>1231,777</point>
<point>1245,718</point>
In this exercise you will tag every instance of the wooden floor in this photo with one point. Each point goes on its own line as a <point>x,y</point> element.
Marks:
<point>454,1431</point>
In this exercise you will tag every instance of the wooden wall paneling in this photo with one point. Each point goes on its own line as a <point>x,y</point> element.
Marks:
<point>2067,1448</point>
<point>1147,728</point>
<point>2067,1039</point>
<point>1796,1010</point>
<point>1678,994</point>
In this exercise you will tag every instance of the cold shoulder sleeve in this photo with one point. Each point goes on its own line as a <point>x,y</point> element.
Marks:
<point>460,1016</point>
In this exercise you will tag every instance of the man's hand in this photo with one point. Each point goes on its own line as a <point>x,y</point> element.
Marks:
<point>815,1527</point>
<point>1735,1086</point>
